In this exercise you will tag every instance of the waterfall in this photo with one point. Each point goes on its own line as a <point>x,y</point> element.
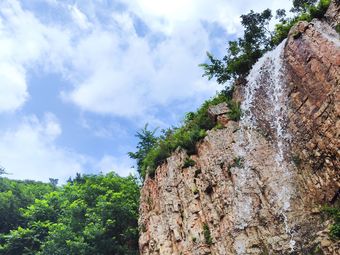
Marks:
<point>327,32</point>
<point>266,77</point>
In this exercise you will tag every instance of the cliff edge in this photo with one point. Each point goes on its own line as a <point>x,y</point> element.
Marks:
<point>257,185</point>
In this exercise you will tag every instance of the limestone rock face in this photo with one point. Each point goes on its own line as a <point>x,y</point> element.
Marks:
<point>257,185</point>
<point>313,62</point>
<point>332,13</point>
<point>219,113</point>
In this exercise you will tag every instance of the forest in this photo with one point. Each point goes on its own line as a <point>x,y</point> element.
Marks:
<point>91,214</point>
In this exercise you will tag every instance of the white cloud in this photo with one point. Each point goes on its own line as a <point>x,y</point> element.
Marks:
<point>79,17</point>
<point>109,163</point>
<point>128,76</point>
<point>112,69</point>
<point>25,42</point>
<point>29,151</point>
<point>13,88</point>
<point>165,15</point>
<point>131,75</point>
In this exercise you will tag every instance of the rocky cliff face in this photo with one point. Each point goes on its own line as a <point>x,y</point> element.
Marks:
<point>257,185</point>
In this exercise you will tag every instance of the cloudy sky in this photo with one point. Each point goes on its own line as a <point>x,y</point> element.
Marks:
<point>79,78</point>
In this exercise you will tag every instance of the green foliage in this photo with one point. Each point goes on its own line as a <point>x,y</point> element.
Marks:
<point>244,52</point>
<point>258,39</point>
<point>15,195</point>
<point>197,172</point>
<point>142,228</point>
<point>53,182</point>
<point>195,191</point>
<point>238,162</point>
<point>147,141</point>
<point>194,128</point>
<point>337,28</point>
<point>207,234</point>
<point>235,112</point>
<point>334,213</point>
<point>2,171</point>
<point>319,10</point>
<point>306,11</point>
<point>188,162</point>
<point>302,5</point>
<point>296,160</point>
<point>97,214</point>
<point>219,126</point>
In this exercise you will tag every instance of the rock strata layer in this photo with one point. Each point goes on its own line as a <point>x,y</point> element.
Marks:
<point>239,198</point>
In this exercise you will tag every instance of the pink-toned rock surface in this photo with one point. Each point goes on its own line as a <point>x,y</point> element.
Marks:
<point>247,200</point>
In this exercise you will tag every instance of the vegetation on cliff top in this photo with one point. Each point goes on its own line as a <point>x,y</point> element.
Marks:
<point>257,39</point>
<point>152,151</point>
<point>241,55</point>
<point>92,214</point>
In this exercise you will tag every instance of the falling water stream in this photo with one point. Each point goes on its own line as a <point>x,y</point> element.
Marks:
<point>268,75</point>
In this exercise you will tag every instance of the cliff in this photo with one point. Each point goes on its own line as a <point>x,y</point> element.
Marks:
<point>257,185</point>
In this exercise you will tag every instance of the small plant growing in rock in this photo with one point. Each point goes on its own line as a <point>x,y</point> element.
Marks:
<point>188,162</point>
<point>337,28</point>
<point>235,111</point>
<point>197,172</point>
<point>194,239</point>
<point>219,126</point>
<point>142,228</point>
<point>317,251</point>
<point>296,160</point>
<point>207,234</point>
<point>238,162</point>
<point>150,202</point>
<point>334,214</point>
<point>296,34</point>
<point>195,191</point>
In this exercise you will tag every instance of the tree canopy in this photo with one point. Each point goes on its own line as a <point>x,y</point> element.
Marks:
<point>257,39</point>
<point>92,214</point>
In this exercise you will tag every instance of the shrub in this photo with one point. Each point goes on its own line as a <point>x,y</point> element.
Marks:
<point>188,162</point>
<point>296,160</point>
<point>235,112</point>
<point>195,125</point>
<point>197,172</point>
<point>207,234</point>
<point>319,10</point>
<point>218,126</point>
<point>195,191</point>
<point>334,214</point>
<point>238,162</point>
<point>142,228</point>
<point>337,28</point>
<point>307,13</point>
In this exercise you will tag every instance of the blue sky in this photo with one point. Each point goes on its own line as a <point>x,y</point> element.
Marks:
<point>79,78</point>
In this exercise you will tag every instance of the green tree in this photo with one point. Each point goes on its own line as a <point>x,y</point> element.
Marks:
<point>97,215</point>
<point>302,5</point>
<point>257,39</point>
<point>244,52</point>
<point>2,171</point>
<point>147,140</point>
<point>15,195</point>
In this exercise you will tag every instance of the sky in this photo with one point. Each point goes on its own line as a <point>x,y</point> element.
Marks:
<point>79,78</point>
